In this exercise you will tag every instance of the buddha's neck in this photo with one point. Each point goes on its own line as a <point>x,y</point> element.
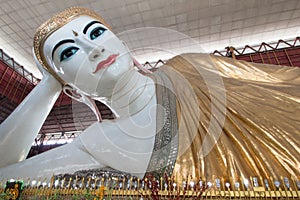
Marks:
<point>132,94</point>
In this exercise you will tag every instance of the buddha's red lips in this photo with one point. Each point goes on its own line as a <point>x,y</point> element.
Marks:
<point>105,63</point>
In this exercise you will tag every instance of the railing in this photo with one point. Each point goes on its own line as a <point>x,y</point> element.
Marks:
<point>153,65</point>
<point>17,67</point>
<point>263,47</point>
<point>126,187</point>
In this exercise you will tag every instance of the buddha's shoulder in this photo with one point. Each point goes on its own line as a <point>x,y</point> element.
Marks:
<point>192,58</point>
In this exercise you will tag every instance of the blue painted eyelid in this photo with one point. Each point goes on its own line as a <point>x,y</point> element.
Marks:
<point>98,27</point>
<point>62,50</point>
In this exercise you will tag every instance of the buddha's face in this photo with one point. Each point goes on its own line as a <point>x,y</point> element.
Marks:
<point>88,55</point>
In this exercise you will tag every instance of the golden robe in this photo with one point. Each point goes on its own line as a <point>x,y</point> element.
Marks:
<point>235,119</point>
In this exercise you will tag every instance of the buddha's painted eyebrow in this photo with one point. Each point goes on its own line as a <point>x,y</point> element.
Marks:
<point>89,25</point>
<point>60,43</point>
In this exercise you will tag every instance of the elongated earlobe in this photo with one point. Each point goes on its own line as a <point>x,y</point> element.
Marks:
<point>71,92</point>
<point>79,96</point>
<point>140,67</point>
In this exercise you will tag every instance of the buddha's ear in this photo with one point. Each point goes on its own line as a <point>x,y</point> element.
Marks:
<point>140,67</point>
<point>72,92</point>
<point>79,96</point>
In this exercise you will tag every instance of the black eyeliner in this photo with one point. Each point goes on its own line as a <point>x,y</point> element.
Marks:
<point>89,25</point>
<point>60,43</point>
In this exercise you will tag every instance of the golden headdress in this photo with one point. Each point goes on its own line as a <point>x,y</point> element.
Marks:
<point>53,24</point>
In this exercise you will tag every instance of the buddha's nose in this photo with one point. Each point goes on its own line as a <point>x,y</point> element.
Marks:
<point>96,53</point>
<point>93,50</point>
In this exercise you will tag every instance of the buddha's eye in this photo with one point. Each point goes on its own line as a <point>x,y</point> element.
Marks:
<point>68,52</point>
<point>96,32</point>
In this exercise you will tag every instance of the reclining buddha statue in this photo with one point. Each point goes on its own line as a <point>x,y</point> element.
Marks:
<point>197,115</point>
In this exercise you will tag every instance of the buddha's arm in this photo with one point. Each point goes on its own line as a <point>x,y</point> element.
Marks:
<point>107,144</point>
<point>19,130</point>
<point>68,158</point>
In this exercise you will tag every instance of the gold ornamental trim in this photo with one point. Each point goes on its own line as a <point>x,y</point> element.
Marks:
<point>53,24</point>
